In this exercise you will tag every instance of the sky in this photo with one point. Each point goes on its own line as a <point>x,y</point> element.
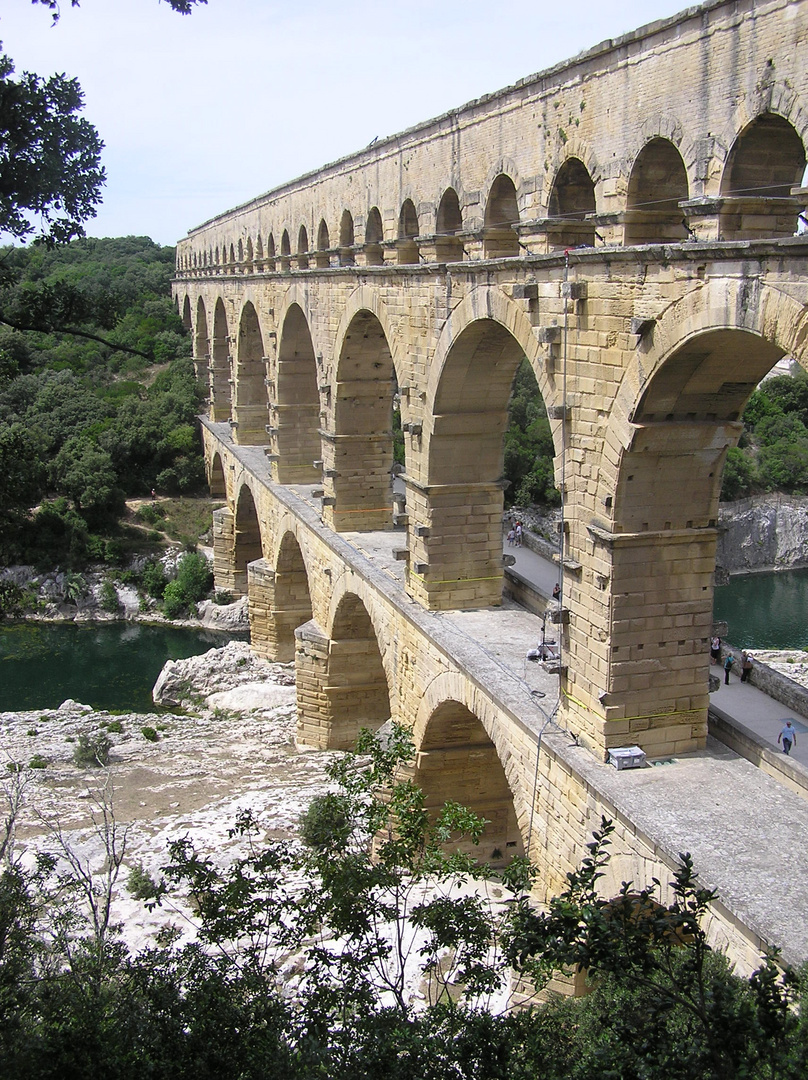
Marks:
<point>202,112</point>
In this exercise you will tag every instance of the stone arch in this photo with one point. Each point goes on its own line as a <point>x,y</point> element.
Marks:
<point>657,184</point>
<point>286,251</point>
<point>500,236</point>
<point>448,226</point>
<point>220,370</point>
<point>571,203</point>
<point>464,456</point>
<point>765,161</point>
<point>240,252</point>
<point>358,455</point>
<point>247,544</point>
<point>259,253</point>
<point>408,229</point>
<point>323,257</point>
<point>291,597</point>
<point>216,478</point>
<point>374,238</point>
<point>232,259</point>
<point>248,260</point>
<point>270,252</point>
<point>250,397</point>
<point>677,413</point>
<point>457,761</point>
<point>356,692</point>
<point>186,313</point>
<point>346,239</point>
<point>296,411</point>
<point>202,347</point>
<point>302,248</point>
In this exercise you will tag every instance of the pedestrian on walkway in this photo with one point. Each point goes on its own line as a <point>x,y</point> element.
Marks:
<point>788,737</point>
<point>746,665</point>
<point>715,649</point>
<point>519,534</point>
<point>730,660</point>
<point>556,591</point>
<point>511,537</point>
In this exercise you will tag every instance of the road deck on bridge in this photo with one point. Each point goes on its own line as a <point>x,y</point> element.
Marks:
<point>745,830</point>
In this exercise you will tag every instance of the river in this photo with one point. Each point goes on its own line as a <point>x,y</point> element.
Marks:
<point>765,611</point>
<point>106,665</point>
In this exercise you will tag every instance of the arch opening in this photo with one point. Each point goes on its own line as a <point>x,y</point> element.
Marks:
<point>296,412</point>
<point>247,545</point>
<point>347,256</point>
<point>572,201</point>
<point>357,692</point>
<point>448,242</point>
<point>765,162</point>
<point>202,348</point>
<point>500,238</point>
<point>302,249</point>
<point>657,184</point>
<point>270,252</point>
<point>407,245</point>
<point>186,314</point>
<point>458,762</point>
<point>250,396</point>
<point>221,387</point>
<point>292,600</point>
<point>323,257</point>
<point>216,481</point>
<point>358,457</point>
<point>465,462</point>
<point>374,239</point>
<point>286,252</point>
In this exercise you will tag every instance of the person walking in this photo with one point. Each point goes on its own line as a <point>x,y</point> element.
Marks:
<point>730,660</point>
<point>787,737</point>
<point>746,665</point>
<point>519,534</point>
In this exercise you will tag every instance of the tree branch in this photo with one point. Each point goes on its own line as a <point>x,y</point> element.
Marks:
<point>74,332</point>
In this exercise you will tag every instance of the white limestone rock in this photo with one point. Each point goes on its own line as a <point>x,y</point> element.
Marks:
<point>191,683</point>
<point>231,617</point>
<point>763,533</point>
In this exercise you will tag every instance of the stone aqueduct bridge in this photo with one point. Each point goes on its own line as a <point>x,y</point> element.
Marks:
<point>428,265</point>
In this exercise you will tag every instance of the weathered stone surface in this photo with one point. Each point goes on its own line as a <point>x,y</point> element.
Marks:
<point>190,683</point>
<point>231,617</point>
<point>763,533</point>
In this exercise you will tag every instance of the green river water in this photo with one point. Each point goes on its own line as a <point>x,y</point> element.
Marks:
<point>108,665</point>
<point>765,611</point>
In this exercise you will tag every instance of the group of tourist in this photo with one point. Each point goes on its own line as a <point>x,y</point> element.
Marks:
<point>788,734</point>
<point>515,535</point>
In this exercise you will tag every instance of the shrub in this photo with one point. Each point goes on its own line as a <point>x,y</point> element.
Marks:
<point>149,733</point>
<point>175,602</point>
<point>109,597</point>
<point>154,579</point>
<point>38,762</point>
<point>195,576</point>
<point>92,750</point>
<point>223,597</point>
<point>115,726</point>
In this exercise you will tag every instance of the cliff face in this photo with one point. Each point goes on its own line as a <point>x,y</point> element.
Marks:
<point>765,533</point>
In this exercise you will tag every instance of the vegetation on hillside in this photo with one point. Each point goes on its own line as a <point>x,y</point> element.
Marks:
<point>368,950</point>
<point>529,445</point>
<point>84,424</point>
<point>772,454</point>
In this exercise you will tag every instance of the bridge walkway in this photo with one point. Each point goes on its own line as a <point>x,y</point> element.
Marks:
<point>745,830</point>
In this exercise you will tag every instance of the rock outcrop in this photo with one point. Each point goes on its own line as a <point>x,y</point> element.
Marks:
<point>230,678</point>
<point>764,533</point>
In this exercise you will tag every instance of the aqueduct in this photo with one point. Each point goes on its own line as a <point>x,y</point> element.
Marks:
<point>628,221</point>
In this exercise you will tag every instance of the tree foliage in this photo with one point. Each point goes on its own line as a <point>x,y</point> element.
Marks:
<point>529,445</point>
<point>773,451</point>
<point>298,964</point>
